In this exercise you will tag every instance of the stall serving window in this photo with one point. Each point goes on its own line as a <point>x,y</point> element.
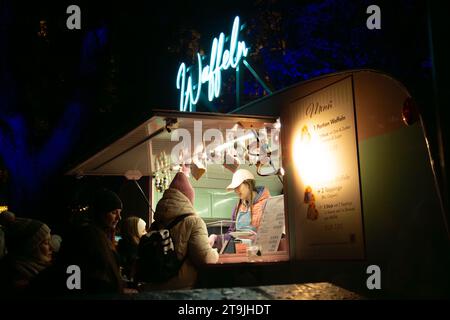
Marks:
<point>234,165</point>
<point>218,153</point>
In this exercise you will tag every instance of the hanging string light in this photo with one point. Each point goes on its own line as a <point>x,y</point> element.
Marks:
<point>162,175</point>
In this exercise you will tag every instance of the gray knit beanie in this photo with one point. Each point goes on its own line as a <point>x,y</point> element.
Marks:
<point>23,236</point>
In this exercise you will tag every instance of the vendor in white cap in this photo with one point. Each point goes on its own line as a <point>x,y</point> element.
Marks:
<point>248,212</point>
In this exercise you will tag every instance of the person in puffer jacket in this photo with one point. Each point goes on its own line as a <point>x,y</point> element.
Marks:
<point>247,214</point>
<point>190,236</point>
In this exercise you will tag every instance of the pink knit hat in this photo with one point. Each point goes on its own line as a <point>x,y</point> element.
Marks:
<point>182,184</point>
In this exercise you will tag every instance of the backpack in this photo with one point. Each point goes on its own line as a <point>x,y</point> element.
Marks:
<point>157,260</point>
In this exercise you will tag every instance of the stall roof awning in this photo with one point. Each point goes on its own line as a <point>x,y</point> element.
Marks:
<point>133,152</point>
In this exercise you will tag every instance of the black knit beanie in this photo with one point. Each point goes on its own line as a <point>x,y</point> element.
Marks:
<point>104,201</point>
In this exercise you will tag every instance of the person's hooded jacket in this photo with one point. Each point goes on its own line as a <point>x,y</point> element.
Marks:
<point>190,236</point>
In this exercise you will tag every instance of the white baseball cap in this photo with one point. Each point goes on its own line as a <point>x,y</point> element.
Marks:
<point>238,177</point>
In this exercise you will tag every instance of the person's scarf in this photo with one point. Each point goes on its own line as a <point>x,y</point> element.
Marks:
<point>28,268</point>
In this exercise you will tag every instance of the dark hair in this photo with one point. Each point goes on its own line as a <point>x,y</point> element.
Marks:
<point>88,247</point>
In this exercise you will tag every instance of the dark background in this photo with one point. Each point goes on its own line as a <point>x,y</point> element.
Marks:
<point>67,94</point>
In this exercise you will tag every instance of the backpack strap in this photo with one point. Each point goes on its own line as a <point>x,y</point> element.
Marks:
<point>175,221</point>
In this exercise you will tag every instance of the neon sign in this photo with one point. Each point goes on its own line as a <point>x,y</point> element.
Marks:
<point>212,74</point>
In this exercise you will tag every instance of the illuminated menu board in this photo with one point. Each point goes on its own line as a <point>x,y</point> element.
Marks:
<point>326,183</point>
